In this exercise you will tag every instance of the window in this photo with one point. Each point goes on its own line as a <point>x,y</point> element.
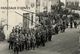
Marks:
<point>26,20</point>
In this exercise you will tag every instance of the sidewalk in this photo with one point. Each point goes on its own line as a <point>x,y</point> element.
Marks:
<point>3,46</point>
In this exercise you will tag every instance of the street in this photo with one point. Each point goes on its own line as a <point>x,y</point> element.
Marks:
<point>63,43</point>
<point>24,23</point>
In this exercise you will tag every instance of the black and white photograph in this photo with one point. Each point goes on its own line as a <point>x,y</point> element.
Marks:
<point>40,27</point>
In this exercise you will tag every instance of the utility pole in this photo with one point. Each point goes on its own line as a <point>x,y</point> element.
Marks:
<point>7,14</point>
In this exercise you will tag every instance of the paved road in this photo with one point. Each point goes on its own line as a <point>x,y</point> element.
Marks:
<point>63,43</point>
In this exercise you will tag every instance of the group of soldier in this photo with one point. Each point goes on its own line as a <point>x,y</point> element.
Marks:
<point>21,38</point>
<point>61,27</point>
<point>26,39</point>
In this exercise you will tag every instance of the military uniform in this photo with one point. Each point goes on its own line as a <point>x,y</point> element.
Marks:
<point>33,39</point>
<point>43,38</point>
<point>67,24</point>
<point>56,29</point>
<point>20,42</point>
<point>61,28</point>
<point>13,30</point>
<point>28,42</point>
<point>26,39</point>
<point>11,39</point>
<point>64,26</point>
<point>47,35</point>
<point>38,39</point>
<point>75,24</point>
<point>16,46</point>
<point>50,35</point>
<point>71,22</point>
<point>23,42</point>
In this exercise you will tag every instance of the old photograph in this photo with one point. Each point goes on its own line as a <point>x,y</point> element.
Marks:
<point>40,27</point>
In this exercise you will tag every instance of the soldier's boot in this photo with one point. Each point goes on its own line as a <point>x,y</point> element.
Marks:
<point>37,44</point>
<point>26,47</point>
<point>71,26</point>
<point>57,32</point>
<point>50,38</point>
<point>19,47</point>
<point>23,47</point>
<point>75,26</point>
<point>14,51</point>
<point>43,44</point>
<point>46,39</point>
<point>17,52</point>
<point>33,46</point>
<point>9,47</point>
<point>63,30</point>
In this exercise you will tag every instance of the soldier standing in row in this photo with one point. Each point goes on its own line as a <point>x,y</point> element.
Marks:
<point>56,29</point>
<point>11,40</point>
<point>33,39</point>
<point>13,30</point>
<point>67,23</point>
<point>38,38</point>
<point>26,39</point>
<point>61,28</point>
<point>75,24</point>
<point>47,35</point>
<point>50,34</point>
<point>71,22</point>
<point>28,42</point>
<point>23,42</point>
<point>43,38</point>
<point>16,46</point>
<point>64,26</point>
<point>20,42</point>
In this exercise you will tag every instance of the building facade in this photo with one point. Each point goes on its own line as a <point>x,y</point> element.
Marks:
<point>25,17</point>
<point>43,5</point>
<point>73,4</point>
<point>18,14</point>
